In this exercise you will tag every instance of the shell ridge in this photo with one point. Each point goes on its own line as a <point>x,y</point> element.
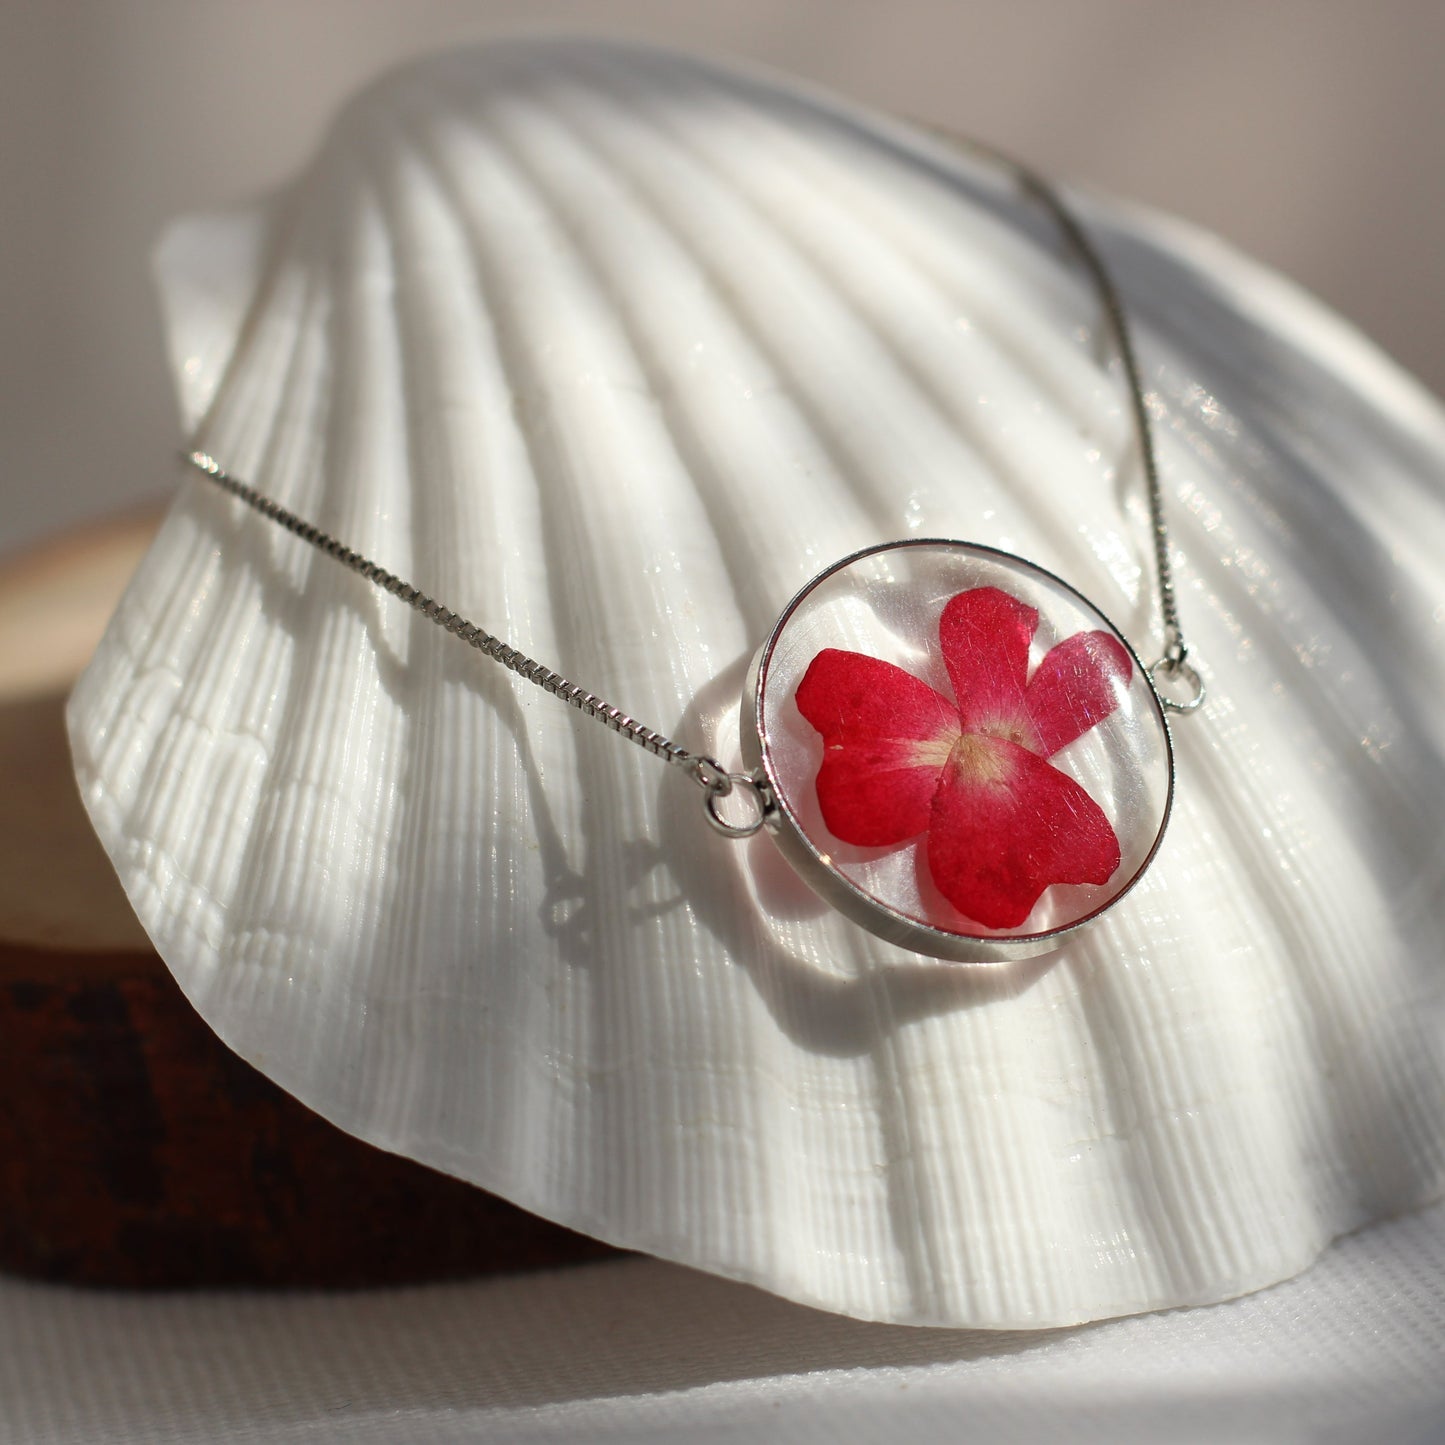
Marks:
<point>1278,445</point>
<point>606,815</point>
<point>1258,408</point>
<point>676,152</point>
<point>536,734</point>
<point>770,516</point>
<point>855,456</point>
<point>1174,1250</point>
<point>1231,575</point>
<point>294,291</point>
<point>559,238</point>
<point>1224,582</point>
<point>1063,374</point>
<point>822,127</point>
<point>1004,474</point>
<point>1040,1195</point>
<point>480,715</point>
<point>226,598</point>
<point>1087,393</point>
<point>1255,296</point>
<point>311,790</point>
<point>517,512</point>
<point>910,1185</point>
<point>423,865</point>
<point>1302,915</point>
<point>288,219</point>
<point>1091,1113</point>
<point>735,524</point>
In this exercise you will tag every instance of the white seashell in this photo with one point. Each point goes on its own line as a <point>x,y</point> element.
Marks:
<point>612,350</point>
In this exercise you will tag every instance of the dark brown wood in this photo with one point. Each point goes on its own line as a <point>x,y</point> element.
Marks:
<point>135,1148</point>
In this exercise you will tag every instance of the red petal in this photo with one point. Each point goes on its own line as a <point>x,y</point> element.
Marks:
<point>985,636</point>
<point>1005,825</point>
<point>1078,684</point>
<point>885,737</point>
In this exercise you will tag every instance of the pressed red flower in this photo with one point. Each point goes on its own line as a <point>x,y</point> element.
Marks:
<point>970,775</point>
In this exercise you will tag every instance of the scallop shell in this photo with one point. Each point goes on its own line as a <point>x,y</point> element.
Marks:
<point>612,350</point>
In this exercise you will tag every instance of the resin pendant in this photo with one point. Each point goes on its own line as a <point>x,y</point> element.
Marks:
<point>962,754</point>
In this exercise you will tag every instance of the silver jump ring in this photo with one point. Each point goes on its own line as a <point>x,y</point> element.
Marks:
<point>723,785</point>
<point>1171,667</point>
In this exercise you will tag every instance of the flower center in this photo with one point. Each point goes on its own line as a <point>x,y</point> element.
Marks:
<point>979,762</point>
<point>934,752</point>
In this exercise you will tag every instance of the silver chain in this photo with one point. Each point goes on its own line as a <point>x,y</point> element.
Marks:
<point>708,773</point>
<point>1173,665</point>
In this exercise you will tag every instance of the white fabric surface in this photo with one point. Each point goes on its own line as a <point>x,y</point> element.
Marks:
<point>637,1350</point>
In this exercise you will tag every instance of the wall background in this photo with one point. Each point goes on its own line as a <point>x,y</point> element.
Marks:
<point>1309,132</point>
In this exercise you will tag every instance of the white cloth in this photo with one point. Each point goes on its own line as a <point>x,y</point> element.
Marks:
<point>636,1350</point>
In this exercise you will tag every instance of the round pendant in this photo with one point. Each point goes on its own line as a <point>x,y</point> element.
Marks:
<point>962,753</point>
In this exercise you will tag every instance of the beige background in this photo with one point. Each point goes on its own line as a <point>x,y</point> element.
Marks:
<point>1307,131</point>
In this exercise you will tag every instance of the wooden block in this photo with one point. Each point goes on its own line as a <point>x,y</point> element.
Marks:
<point>135,1148</point>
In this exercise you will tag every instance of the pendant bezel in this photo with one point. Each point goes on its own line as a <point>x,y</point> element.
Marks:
<point>817,868</point>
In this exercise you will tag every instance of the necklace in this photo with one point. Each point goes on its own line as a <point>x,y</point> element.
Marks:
<point>953,746</point>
